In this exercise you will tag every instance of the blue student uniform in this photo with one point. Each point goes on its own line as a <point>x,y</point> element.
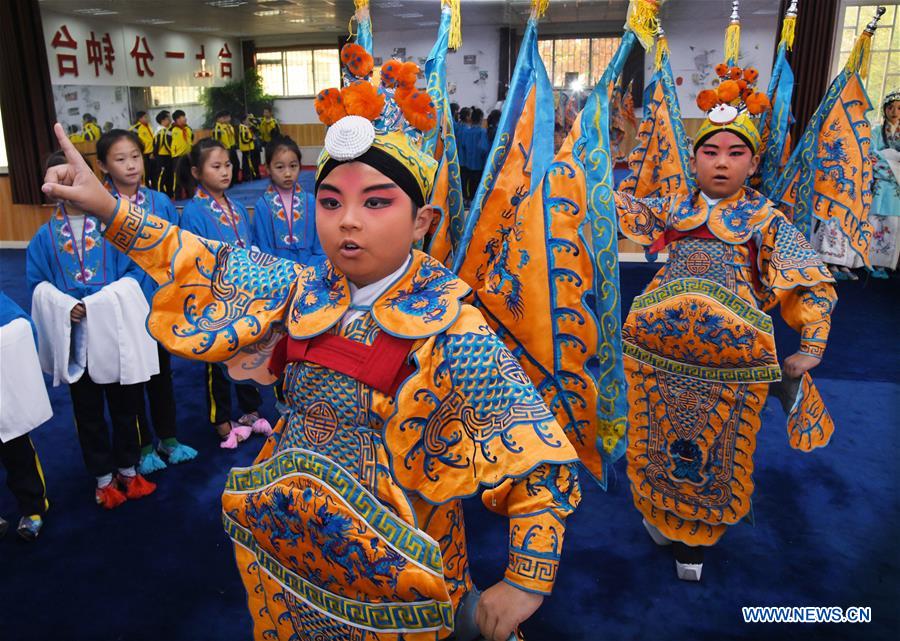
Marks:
<point>204,217</point>
<point>274,234</point>
<point>53,256</point>
<point>10,311</point>
<point>159,205</point>
<point>475,147</point>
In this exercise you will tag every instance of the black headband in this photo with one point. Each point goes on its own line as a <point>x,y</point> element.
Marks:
<point>386,164</point>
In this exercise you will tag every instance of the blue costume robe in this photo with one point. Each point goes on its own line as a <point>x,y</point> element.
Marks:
<point>274,234</point>
<point>52,256</point>
<point>208,219</point>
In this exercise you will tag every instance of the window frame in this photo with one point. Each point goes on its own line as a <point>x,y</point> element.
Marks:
<point>312,48</point>
<point>572,36</point>
<point>839,55</point>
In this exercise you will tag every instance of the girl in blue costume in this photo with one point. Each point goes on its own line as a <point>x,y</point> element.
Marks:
<point>70,254</point>
<point>120,158</point>
<point>284,217</point>
<point>885,212</point>
<point>213,215</point>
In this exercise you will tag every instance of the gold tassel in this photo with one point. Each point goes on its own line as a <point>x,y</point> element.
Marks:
<point>539,8</point>
<point>643,20</point>
<point>455,41</point>
<point>733,43</point>
<point>662,51</point>
<point>788,28</point>
<point>860,55</point>
<point>360,4</point>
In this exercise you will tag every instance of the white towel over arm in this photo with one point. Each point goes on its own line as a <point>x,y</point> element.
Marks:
<point>119,348</point>
<point>62,348</point>
<point>24,403</point>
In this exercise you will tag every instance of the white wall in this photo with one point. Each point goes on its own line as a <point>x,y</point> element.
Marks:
<point>104,103</point>
<point>696,40</point>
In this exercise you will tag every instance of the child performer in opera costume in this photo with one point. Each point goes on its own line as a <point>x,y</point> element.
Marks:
<point>119,157</point>
<point>402,400</point>
<point>90,316</point>
<point>699,347</point>
<point>213,215</point>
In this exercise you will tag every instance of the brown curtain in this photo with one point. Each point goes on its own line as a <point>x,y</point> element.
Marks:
<point>26,100</point>
<point>811,57</point>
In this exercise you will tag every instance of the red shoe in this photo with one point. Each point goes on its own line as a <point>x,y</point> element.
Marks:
<point>135,487</point>
<point>109,496</point>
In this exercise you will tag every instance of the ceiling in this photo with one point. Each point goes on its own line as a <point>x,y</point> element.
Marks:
<point>257,18</point>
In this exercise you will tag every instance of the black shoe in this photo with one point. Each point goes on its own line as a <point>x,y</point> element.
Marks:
<point>3,526</point>
<point>30,527</point>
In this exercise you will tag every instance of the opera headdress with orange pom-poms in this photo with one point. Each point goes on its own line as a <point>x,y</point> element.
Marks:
<point>380,126</point>
<point>733,102</point>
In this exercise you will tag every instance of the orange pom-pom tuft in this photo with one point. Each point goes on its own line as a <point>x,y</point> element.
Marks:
<point>751,74</point>
<point>707,99</point>
<point>357,60</point>
<point>330,106</point>
<point>735,72</point>
<point>758,103</point>
<point>390,72</point>
<point>721,70</point>
<point>728,91</point>
<point>362,99</point>
<point>742,84</point>
<point>746,93</point>
<point>418,109</point>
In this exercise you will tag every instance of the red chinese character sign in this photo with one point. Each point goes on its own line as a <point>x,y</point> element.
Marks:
<point>101,53</point>
<point>142,56</point>
<point>132,56</point>
<point>66,63</point>
<point>225,61</point>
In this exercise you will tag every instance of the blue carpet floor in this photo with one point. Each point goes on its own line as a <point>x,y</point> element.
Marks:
<point>826,527</point>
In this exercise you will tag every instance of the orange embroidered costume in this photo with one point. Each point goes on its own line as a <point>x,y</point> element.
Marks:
<point>349,524</point>
<point>698,343</point>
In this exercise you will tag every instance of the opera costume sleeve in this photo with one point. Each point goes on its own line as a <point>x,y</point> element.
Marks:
<point>641,220</point>
<point>214,300</point>
<point>793,274</point>
<point>470,417</point>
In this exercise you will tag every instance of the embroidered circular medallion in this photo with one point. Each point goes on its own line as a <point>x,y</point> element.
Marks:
<point>698,263</point>
<point>688,401</point>
<point>319,423</point>
<point>510,369</point>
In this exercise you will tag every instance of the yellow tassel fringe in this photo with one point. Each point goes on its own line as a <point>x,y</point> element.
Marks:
<point>455,24</point>
<point>788,29</point>
<point>643,20</point>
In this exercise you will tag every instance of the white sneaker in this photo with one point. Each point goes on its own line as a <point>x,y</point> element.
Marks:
<point>655,534</point>
<point>689,571</point>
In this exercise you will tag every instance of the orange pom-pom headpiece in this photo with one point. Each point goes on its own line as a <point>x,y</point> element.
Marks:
<point>357,60</point>
<point>418,109</point>
<point>330,106</point>
<point>362,99</point>
<point>730,104</point>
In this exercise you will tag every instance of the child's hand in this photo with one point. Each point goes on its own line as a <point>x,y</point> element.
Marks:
<point>502,608</point>
<point>76,183</point>
<point>78,312</point>
<point>796,365</point>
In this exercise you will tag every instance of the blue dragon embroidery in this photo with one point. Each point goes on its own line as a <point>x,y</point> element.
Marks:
<point>328,532</point>
<point>427,295</point>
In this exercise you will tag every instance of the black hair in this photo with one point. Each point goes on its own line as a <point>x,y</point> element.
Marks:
<point>454,109</point>
<point>464,114</point>
<point>88,118</point>
<point>140,115</point>
<point>162,115</point>
<point>178,113</point>
<point>195,159</point>
<point>221,114</point>
<point>477,116</point>
<point>58,157</point>
<point>282,141</point>
<point>493,121</point>
<point>113,136</point>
